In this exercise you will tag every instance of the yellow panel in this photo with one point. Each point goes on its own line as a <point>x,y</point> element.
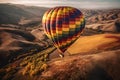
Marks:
<point>77,22</point>
<point>59,32</point>
<point>65,29</point>
<point>72,25</point>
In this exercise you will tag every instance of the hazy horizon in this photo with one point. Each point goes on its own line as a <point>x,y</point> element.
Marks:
<point>93,4</point>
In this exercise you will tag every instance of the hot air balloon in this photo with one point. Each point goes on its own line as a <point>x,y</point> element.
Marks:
<point>63,25</point>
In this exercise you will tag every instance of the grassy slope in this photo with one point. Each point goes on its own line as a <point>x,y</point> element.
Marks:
<point>95,43</point>
<point>101,66</point>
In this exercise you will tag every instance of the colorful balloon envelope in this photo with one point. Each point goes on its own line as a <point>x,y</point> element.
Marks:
<point>63,25</point>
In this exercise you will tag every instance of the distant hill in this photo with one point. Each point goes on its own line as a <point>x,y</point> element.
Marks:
<point>103,20</point>
<point>38,11</point>
<point>27,17</point>
<point>103,15</point>
<point>12,14</point>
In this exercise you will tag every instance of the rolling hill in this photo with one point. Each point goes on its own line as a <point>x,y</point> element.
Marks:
<point>15,43</point>
<point>89,63</point>
<point>13,14</point>
<point>104,20</point>
<point>10,14</point>
<point>27,17</point>
<point>95,43</point>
